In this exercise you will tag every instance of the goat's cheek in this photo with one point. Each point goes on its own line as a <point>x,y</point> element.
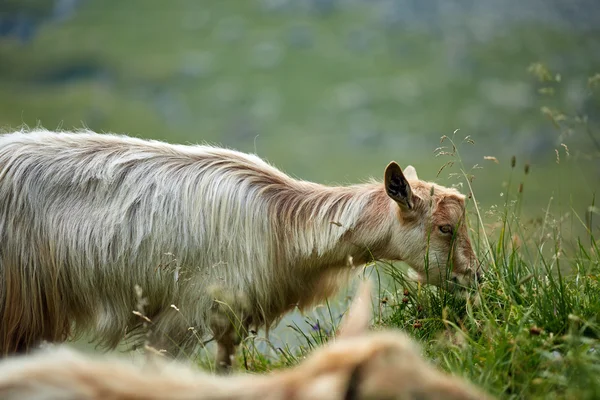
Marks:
<point>468,254</point>
<point>458,263</point>
<point>462,259</point>
<point>438,255</point>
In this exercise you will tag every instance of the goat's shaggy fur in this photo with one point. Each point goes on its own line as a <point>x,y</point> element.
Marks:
<point>356,365</point>
<point>228,239</point>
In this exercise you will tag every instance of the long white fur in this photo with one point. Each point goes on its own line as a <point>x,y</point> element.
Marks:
<point>225,237</point>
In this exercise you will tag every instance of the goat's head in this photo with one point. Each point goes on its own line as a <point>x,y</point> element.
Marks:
<point>429,231</point>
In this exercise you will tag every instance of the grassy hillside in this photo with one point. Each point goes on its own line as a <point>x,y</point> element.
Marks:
<point>331,91</point>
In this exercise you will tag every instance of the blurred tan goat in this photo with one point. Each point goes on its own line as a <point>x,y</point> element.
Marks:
<point>356,365</point>
<point>226,238</point>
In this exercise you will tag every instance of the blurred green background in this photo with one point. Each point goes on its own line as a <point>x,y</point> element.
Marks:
<point>327,90</point>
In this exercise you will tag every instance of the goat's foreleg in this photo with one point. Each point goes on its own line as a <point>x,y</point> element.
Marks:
<point>229,329</point>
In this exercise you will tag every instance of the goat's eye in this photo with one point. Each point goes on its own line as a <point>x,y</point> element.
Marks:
<point>446,229</point>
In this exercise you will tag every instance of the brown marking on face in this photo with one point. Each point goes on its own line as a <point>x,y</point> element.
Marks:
<point>450,211</point>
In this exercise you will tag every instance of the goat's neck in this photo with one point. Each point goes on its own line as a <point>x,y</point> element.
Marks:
<point>356,234</point>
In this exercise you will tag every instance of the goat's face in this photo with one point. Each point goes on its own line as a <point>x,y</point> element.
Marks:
<point>429,229</point>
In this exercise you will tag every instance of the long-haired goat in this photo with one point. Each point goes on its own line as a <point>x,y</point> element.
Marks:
<point>355,365</point>
<point>223,236</point>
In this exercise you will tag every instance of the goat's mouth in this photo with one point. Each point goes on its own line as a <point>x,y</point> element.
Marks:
<point>455,285</point>
<point>452,282</point>
<point>464,282</point>
<point>469,294</point>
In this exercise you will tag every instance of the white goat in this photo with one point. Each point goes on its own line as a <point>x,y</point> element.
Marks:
<point>228,239</point>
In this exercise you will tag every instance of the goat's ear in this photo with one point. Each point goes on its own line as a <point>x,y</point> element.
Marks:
<point>411,173</point>
<point>357,318</point>
<point>397,187</point>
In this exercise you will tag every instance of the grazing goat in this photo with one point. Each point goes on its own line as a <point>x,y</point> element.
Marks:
<point>218,240</point>
<point>355,365</point>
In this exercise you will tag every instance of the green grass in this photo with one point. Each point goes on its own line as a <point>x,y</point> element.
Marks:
<point>533,330</point>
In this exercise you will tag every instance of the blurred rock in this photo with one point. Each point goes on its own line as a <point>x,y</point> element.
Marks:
<point>195,20</point>
<point>230,29</point>
<point>267,55</point>
<point>197,64</point>
<point>323,7</point>
<point>22,19</point>
<point>404,89</point>
<point>172,108</point>
<point>350,96</point>
<point>300,36</point>
<point>64,9</point>
<point>74,71</point>
<point>267,104</point>
<point>20,25</point>
<point>360,40</point>
<point>278,5</point>
<point>241,128</point>
<point>364,130</point>
<point>227,92</point>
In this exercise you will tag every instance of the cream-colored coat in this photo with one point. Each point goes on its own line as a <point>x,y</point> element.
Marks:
<point>226,238</point>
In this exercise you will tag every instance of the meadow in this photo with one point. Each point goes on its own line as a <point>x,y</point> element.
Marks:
<point>331,91</point>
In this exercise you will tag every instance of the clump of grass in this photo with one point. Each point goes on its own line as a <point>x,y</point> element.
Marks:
<point>533,332</point>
